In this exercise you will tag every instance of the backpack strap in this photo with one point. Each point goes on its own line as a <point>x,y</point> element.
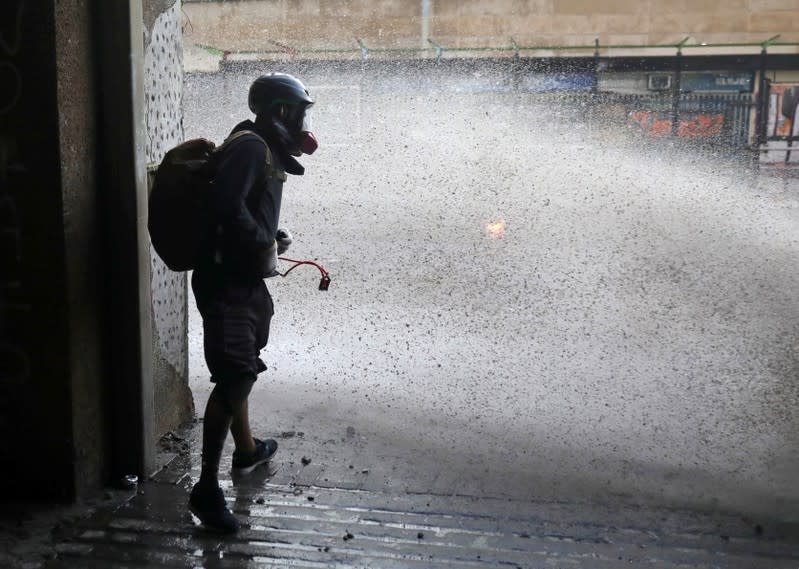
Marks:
<point>271,171</point>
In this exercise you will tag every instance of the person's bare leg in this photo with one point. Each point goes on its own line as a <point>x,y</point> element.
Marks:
<point>240,429</point>
<point>216,422</point>
<point>207,501</point>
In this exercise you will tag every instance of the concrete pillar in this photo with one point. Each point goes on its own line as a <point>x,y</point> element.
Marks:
<point>163,72</point>
<point>425,33</point>
<point>123,187</point>
<point>75,312</point>
<point>36,439</point>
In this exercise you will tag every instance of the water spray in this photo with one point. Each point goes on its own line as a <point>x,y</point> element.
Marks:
<point>324,283</point>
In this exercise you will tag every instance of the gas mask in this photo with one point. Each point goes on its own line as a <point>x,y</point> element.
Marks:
<point>293,125</point>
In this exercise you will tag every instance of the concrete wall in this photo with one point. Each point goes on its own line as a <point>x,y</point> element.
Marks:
<point>86,382</point>
<point>163,84</point>
<point>36,346</point>
<point>77,126</point>
<point>258,25</point>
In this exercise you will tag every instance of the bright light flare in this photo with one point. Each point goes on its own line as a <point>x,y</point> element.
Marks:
<point>495,229</point>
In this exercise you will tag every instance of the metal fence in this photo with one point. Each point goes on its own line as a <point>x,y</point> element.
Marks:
<point>720,119</point>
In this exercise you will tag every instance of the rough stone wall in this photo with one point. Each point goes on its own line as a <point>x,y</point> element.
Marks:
<point>78,140</point>
<point>36,441</point>
<point>257,25</point>
<point>164,97</point>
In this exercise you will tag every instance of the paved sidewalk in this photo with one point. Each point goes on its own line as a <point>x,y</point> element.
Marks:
<point>318,513</point>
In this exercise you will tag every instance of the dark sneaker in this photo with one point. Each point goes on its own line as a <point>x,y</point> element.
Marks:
<point>209,505</point>
<point>245,463</point>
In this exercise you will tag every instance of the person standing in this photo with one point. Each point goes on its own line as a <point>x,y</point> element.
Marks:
<point>228,283</point>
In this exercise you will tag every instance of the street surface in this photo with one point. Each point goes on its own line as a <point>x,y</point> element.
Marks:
<point>526,304</point>
<point>547,344</point>
<point>319,516</point>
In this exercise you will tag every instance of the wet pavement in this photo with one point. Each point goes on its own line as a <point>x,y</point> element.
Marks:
<point>529,293</point>
<point>310,509</point>
<point>547,343</point>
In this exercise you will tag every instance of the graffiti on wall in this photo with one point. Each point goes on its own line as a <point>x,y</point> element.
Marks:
<point>14,360</point>
<point>694,125</point>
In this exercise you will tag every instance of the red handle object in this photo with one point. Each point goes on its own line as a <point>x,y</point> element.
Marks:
<point>324,284</point>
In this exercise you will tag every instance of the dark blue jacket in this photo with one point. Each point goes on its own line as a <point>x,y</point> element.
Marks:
<point>246,203</point>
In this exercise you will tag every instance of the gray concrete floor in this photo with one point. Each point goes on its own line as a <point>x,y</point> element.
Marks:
<point>629,335</point>
<point>327,513</point>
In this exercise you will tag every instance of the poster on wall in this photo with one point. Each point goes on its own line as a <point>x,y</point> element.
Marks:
<point>782,132</point>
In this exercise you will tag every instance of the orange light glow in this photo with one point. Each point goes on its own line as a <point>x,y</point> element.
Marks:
<point>495,229</point>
